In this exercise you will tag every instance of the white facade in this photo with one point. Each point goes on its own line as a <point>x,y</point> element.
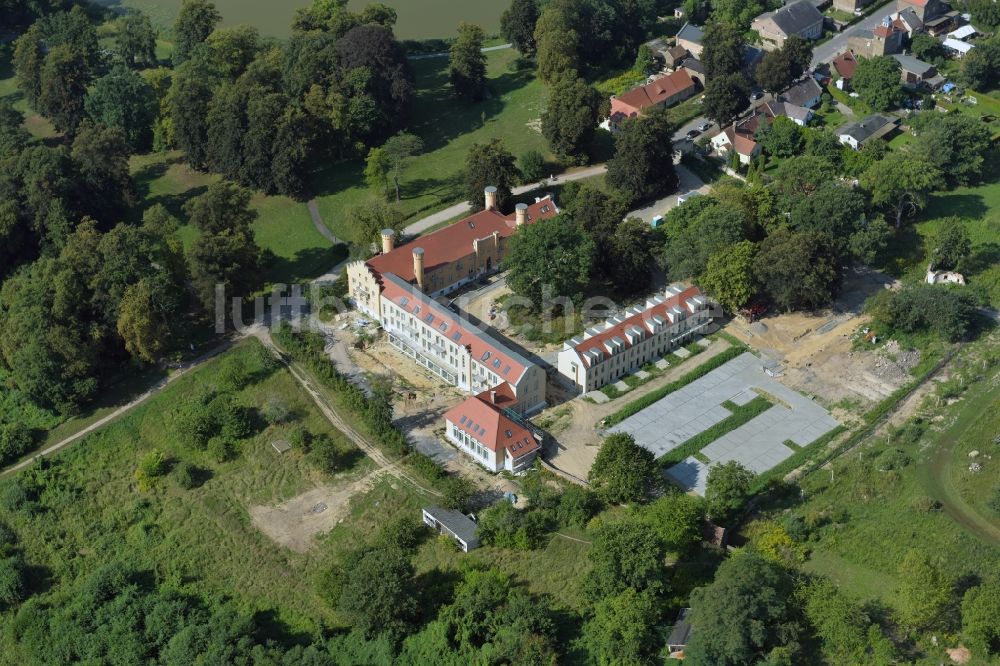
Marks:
<point>623,345</point>
<point>475,449</point>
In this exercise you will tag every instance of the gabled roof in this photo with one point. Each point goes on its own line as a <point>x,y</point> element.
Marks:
<point>795,17</point>
<point>636,100</point>
<point>907,19</point>
<point>484,348</point>
<point>803,92</point>
<point>488,424</point>
<point>453,242</point>
<point>786,109</point>
<point>867,128</point>
<point>457,523</point>
<point>845,64</point>
<point>909,63</point>
<point>619,334</point>
<point>691,33</point>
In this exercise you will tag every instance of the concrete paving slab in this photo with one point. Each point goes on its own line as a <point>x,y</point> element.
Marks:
<point>642,374</point>
<point>599,397</point>
<point>690,474</point>
<point>622,387</point>
<point>681,352</point>
<point>663,364</point>
<point>704,342</point>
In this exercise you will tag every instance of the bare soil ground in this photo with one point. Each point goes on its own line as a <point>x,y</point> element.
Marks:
<point>573,424</point>
<point>818,354</point>
<point>295,523</point>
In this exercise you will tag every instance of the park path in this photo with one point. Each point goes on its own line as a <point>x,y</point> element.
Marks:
<point>124,409</point>
<point>445,54</point>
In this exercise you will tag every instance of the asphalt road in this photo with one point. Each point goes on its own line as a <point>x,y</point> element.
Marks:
<point>837,44</point>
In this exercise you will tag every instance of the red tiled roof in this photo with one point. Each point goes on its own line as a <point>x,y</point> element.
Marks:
<point>488,424</point>
<point>453,242</point>
<point>845,64</point>
<point>484,348</point>
<point>918,3</point>
<point>637,320</point>
<point>634,101</point>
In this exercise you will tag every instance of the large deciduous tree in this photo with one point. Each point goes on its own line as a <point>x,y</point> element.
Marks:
<point>397,151</point>
<point>64,81</point>
<point>623,629</point>
<point>195,22</point>
<point>558,44</point>
<point>677,519</point>
<point>724,50</point>
<point>136,40</point>
<point>467,63</point>
<point>878,83</point>
<point>623,471</point>
<point>378,593</point>
<point>570,120</point>
<point>798,269</point>
<point>729,275</point>
<point>517,25</point>
<point>925,590</point>
<point>901,183</point>
<point>727,491</point>
<point>548,260</point>
<point>189,99</point>
<point>627,554</point>
<point>490,164</point>
<point>726,97</point>
<point>955,143</point>
<point>123,100</point>
<point>643,164</point>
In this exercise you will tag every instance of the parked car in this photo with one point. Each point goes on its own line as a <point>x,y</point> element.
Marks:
<point>693,133</point>
<point>756,95</point>
<point>704,127</point>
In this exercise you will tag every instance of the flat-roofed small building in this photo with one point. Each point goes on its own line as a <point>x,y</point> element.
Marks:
<point>457,525</point>
<point>605,354</point>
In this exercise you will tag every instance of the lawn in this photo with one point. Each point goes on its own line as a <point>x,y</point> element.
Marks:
<point>283,225</point>
<point>448,128</point>
<point>200,539</point>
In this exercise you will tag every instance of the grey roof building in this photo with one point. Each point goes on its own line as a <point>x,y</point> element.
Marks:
<point>457,525</point>
<point>805,93</point>
<point>680,634</point>
<point>691,37</point>
<point>798,18</point>
<point>874,126</point>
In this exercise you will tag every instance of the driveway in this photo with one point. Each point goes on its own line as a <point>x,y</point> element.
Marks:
<point>687,181</point>
<point>837,44</point>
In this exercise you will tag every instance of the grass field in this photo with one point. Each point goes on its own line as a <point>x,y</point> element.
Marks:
<point>448,128</point>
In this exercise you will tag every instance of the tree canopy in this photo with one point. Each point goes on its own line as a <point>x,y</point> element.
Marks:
<point>623,471</point>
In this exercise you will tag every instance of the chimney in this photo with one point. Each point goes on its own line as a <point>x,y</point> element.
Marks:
<point>491,197</point>
<point>521,211</point>
<point>493,397</point>
<point>418,266</point>
<point>388,240</point>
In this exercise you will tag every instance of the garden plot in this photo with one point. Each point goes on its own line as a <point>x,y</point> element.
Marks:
<point>759,444</point>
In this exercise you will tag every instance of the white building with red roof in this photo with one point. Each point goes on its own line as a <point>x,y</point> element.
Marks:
<point>624,344</point>
<point>444,260</point>
<point>485,428</point>
<point>457,349</point>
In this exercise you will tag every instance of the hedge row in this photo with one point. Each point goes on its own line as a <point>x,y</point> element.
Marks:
<point>740,415</point>
<point>645,401</point>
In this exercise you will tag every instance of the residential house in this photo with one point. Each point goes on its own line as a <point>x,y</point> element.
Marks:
<point>662,92</point>
<point>908,21</point>
<point>675,55</point>
<point>695,70</point>
<point>691,37</point>
<point>870,128</point>
<point>800,115</point>
<point>850,6</point>
<point>924,9</point>
<point>798,18</point>
<point>806,93</point>
<point>456,349</point>
<point>447,259</point>
<point>943,23</point>
<point>605,354</point>
<point>680,635</point>
<point>884,39</point>
<point>456,525</point>
<point>915,72</point>
<point>844,65</point>
<point>486,429</point>
<point>739,138</point>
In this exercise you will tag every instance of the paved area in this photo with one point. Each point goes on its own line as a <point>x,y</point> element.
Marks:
<point>757,444</point>
<point>680,352</point>
<point>600,397</point>
<point>690,473</point>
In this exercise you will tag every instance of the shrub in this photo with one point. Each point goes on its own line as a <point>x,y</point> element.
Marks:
<point>222,449</point>
<point>15,441</point>
<point>300,438</point>
<point>153,464</point>
<point>324,454</point>
<point>275,411</point>
<point>504,526</point>
<point>576,506</point>
<point>457,491</point>
<point>238,422</point>
<point>195,424</point>
<point>12,589</point>
<point>532,165</point>
<point>186,475</point>
<point>994,501</point>
<point>891,459</point>
<point>8,539</point>
<point>13,495</point>
<point>403,533</point>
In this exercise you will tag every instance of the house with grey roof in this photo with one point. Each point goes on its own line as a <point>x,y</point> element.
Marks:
<point>798,18</point>
<point>680,635</point>
<point>805,93</point>
<point>916,73</point>
<point>691,37</point>
<point>457,525</point>
<point>870,128</point>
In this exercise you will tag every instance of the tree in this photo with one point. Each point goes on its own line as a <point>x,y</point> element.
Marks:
<point>877,82</point>
<point>490,164</point>
<point>371,217</point>
<point>235,48</point>
<point>467,63</point>
<point>517,25</point>
<point>724,49</point>
<point>727,490</point>
<point>574,110</point>
<point>623,629</point>
<point>781,137</point>
<point>632,254</point>
<point>195,22</point>
<point>643,164</point>
<point>900,183</point>
<point>981,616</point>
<point>63,85</point>
<point>457,491</point>
<point>870,240</point>
<point>925,590</point>
<point>744,615</point>
<point>729,275</point>
<point>774,71</point>
<point>848,635</point>
<point>737,13</point>
<point>377,171</point>
<point>952,245</point>
<point>397,150</point>
<point>122,99</point>
<point>378,593</point>
<point>981,65</point>
<point>15,441</point>
<point>557,43</point>
<point>136,40</point>
<point>532,165</point>
<point>144,335</point>
<point>726,97</point>
<point>645,61</point>
<point>625,554</point>
<point>927,47</point>
<point>12,584</point>
<point>833,209</point>
<point>548,261</point>
<point>101,158</point>
<point>29,54</point>
<point>677,520</point>
<point>188,101</point>
<point>798,269</point>
<point>623,471</point>
<point>956,144</point>
<point>923,307</point>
